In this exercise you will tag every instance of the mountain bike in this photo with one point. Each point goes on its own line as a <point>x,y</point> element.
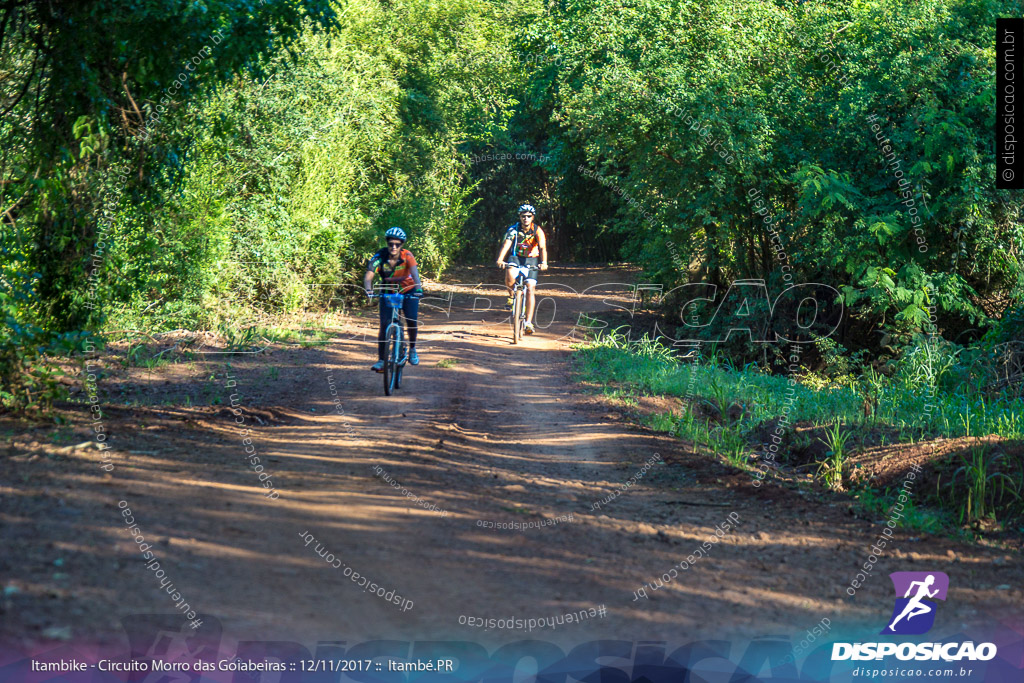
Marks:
<point>518,319</point>
<point>395,352</point>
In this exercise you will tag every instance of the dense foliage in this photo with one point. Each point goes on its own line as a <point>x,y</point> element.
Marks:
<point>753,138</point>
<point>96,115</point>
<point>172,164</point>
<point>295,172</point>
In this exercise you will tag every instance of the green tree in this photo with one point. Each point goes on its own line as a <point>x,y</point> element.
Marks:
<point>95,101</point>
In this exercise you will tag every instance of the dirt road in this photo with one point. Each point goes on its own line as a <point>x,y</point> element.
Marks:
<point>498,434</point>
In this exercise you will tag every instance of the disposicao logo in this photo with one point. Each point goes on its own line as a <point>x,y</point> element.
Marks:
<point>914,614</point>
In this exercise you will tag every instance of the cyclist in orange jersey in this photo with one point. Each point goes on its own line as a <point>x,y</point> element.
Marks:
<point>396,267</point>
<point>528,247</point>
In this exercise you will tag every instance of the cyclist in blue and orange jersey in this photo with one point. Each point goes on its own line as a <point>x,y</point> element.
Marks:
<point>396,268</point>
<point>529,247</point>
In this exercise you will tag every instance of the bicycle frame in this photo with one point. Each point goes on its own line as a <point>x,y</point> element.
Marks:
<point>395,301</point>
<point>395,356</point>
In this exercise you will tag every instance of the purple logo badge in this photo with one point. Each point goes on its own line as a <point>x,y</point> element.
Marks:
<point>914,612</point>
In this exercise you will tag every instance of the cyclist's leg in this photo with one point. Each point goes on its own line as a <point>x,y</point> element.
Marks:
<point>510,275</point>
<point>385,319</point>
<point>529,301</point>
<point>411,308</point>
<point>531,283</point>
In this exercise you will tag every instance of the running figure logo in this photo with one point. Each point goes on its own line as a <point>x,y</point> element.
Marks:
<point>914,613</point>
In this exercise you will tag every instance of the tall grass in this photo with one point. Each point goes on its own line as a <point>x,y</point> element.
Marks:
<point>981,489</point>
<point>831,468</point>
<point>925,393</point>
<point>929,392</point>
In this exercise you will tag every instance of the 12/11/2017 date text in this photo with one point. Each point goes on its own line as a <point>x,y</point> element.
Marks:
<point>342,665</point>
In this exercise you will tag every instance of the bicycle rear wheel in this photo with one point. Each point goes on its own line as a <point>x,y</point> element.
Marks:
<point>390,366</point>
<point>517,312</point>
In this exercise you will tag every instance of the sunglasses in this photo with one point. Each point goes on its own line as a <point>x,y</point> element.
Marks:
<point>526,215</point>
<point>394,244</point>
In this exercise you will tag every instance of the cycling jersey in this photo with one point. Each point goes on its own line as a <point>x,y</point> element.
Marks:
<point>402,273</point>
<point>524,243</point>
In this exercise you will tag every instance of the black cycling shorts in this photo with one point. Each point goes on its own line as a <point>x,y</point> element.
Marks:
<point>531,261</point>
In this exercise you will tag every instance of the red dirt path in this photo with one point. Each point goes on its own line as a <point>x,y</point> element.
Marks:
<point>503,434</point>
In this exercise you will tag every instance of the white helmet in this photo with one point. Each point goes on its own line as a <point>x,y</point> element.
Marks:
<point>397,233</point>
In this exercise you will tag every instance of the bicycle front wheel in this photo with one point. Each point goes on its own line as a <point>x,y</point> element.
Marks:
<point>399,364</point>
<point>390,360</point>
